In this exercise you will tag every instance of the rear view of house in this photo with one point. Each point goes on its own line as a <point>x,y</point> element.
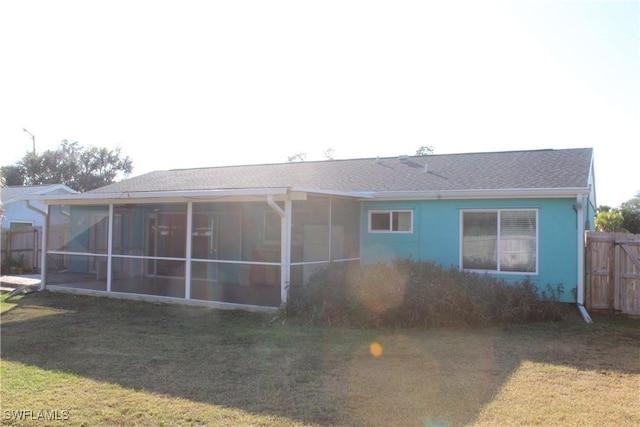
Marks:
<point>241,236</point>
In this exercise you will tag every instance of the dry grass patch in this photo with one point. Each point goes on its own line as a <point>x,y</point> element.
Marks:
<point>108,361</point>
<point>542,393</point>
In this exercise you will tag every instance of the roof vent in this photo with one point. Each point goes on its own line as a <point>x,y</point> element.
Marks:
<point>403,158</point>
<point>426,168</point>
<point>377,159</point>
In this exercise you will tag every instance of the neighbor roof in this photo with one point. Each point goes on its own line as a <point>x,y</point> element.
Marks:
<point>539,169</point>
<point>13,193</point>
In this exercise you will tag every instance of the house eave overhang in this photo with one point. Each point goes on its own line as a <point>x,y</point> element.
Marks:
<point>506,193</point>
<point>124,197</point>
<point>301,192</point>
<point>337,193</point>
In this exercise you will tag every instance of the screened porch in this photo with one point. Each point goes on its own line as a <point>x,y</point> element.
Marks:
<point>244,252</point>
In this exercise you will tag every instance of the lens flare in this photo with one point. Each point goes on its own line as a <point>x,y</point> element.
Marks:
<point>375,349</point>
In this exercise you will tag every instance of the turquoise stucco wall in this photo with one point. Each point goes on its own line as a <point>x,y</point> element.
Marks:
<point>436,237</point>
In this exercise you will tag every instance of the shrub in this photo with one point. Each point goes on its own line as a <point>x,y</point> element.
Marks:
<point>410,294</point>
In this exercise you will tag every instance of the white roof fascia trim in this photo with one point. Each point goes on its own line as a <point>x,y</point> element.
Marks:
<point>55,187</point>
<point>124,196</point>
<point>592,179</point>
<point>483,194</point>
<point>357,194</point>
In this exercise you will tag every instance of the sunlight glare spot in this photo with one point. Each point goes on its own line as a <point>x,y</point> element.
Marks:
<point>375,349</point>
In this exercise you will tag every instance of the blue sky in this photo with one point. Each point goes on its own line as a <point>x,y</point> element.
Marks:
<point>182,84</point>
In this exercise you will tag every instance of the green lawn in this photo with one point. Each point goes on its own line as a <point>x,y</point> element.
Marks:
<point>100,361</point>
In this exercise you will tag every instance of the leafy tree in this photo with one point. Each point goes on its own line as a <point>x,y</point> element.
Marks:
<point>13,175</point>
<point>424,150</point>
<point>610,220</point>
<point>81,168</point>
<point>630,211</point>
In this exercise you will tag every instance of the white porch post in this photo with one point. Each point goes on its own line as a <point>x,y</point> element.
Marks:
<point>285,253</point>
<point>285,246</point>
<point>110,248</point>
<point>330,230</point>
<point>43,255</point>
<point>187,268</point>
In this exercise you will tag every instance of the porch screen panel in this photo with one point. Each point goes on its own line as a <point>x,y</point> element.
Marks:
<point>518,245</point>
<point>128,230</point>
<point>346,222</point>
<point>310,230</point>
<point>77,243</point>
<point>479,240</point>
<point>152,230</point>
<point>85,230</point>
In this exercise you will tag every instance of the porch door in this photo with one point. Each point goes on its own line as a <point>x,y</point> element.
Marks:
<point>229,241</point>
<point>152,245</point>
<point>216,236</point>
<point>204,242</point>
<point>166,238</point>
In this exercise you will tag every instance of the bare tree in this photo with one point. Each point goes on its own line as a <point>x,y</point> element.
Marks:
<point>328,153</point>
<point>298,157</point>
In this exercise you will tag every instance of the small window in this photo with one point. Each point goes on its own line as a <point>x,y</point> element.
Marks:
<point>20,224</point>
<point>390,221</point>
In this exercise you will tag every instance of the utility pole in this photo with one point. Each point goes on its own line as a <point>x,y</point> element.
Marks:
<point>33,139</point>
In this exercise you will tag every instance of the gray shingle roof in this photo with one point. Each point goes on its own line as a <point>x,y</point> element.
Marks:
<point>21,191</point>
<point>538,169</point>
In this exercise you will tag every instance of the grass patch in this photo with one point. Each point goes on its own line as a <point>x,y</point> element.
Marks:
<point>108,361</point>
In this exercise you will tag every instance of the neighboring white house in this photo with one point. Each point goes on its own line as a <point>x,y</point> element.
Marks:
<point>16,211</point>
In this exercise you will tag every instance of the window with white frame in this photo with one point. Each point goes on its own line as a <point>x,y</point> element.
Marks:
<point>503,240</point>
<point>391,221</point>
<point>20,224</point>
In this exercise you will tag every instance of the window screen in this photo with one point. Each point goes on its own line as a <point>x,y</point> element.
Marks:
<point>479,243</point>
<point>380,221</point>
<point>518,241</point>
<point>391,221</point>
<point>503,240</point>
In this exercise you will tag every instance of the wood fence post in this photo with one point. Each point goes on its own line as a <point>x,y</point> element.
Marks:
<point>616,277</point>
<point>9,238</point>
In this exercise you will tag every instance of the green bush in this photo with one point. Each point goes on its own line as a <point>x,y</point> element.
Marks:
<point>411,294</point>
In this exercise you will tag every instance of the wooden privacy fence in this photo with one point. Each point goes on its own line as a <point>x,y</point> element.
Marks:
<point>613,272</point>
<point>21,246</point>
